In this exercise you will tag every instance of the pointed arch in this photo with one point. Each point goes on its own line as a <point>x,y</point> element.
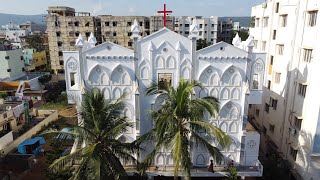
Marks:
<point>104,79</point>
<point>214,79</point>
<point>231,76</point>
<point>186,73</point>
<point>99,76</point>
<point>236,79</point>
<point>224,126</point>
<point>171,62</point>
<point>127,92</point>
<point>233,127</point>
<point>231,157</point>
<point>120,76</point>
<point>144,72</point>
<point>106,93</point>
<point>229,111</point>
<point>235,94</point>
<point>169,160</point>
<point>215,93</point>
<point>200,160</point>
<point>160,62</point>
<point>210,76</point>
<point>127,113</point>
<point>159,159</point>
<point>225,94</point>
<point>116,93</point>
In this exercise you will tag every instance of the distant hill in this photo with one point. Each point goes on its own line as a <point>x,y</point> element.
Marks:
<point>19,19</point>
<point>244,21</point>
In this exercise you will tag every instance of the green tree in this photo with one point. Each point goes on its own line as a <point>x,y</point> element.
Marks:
<point>35,42</point>
<point>101,127</point>
<point>177,122</point>
<point>201,43</point>
<point>233,173</point>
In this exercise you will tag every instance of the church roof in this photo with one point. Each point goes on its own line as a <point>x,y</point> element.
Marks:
<point>163,30</point>
<point>109,49</point>
<point>222,50</point>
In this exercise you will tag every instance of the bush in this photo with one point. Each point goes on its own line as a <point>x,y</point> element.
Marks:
<point>3,95</point>
<point>44,79</point>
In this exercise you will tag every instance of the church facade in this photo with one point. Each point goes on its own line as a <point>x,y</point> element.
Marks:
<point>233,74</point>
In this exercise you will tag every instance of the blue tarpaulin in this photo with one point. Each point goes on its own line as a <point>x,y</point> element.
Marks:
<point>31,146</point>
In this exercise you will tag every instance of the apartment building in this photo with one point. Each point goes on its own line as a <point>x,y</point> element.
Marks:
<point>11,62</point>
<point>289,118</point>
<point>208,27</point>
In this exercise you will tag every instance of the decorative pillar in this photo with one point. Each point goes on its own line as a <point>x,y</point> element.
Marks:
<point>194,30</point>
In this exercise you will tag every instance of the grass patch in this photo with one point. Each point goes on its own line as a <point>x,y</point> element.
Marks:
<point>58,104</point>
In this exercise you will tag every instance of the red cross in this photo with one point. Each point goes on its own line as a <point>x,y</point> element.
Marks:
<point>164,15</point>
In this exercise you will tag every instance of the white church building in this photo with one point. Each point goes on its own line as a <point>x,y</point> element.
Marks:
<point>233,74</point>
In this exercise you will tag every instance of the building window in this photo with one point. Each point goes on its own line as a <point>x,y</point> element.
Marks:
<point>257,112</point>
<point>263,45</point>
<point>273,103</point>
<point>277,7</point>
<point>255,83</point>
<point>58,34</point>
<point>269,84</point>
<point>60,53</point>
<point>107,23</point>
<point>297,123</point>
<point>61,63</point>
<point>257,22</point>
<point>312,18</point>
<point>114,23</point>
<point>5,115</point>
<point>307,54</point>
<point>302,89</point>
<point>274,36</point>
<point>56,23</point>
<point>266,107</point>
<point>87,24</point>
<point>8,70</point>
<point>271,60</point>
<point>280,48</point>
<point>140,23</point>
<point>22,70</point>
<point>7,57</point>
<point>129,23</point>
<point>186,32</point>
<point>201,25</point>
<point>212,32</point>
<point>256,44</point>
<point>76,23</point>
<point>200,33</point>
<point>212,25</point>
<point>77,34</point>
<point>186,25</point>
<point>265,21</point>
<point>164,78</point>
<point>129,34</point>
<point>284,20</point>
<point>271,128</point>
<point>59,43</point>
<point>21,58</point>
<point>277,77</point>
<point>72,43</point>
<point>293,153</point>
<point>129,44</point>
<point>114,33</point>
<point>87,34</point>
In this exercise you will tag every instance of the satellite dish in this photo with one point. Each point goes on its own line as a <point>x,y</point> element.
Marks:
<point>8,108</point>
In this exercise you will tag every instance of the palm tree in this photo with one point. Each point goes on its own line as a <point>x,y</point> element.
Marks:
<point>102,125</point>
<point>177,122</point>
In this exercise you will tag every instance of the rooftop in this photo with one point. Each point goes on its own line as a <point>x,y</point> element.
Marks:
<point>3,107</point>
<point>28,77</point>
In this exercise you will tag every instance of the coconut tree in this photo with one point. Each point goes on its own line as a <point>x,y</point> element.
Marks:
<point>103,124</point>
<point>177,122</point>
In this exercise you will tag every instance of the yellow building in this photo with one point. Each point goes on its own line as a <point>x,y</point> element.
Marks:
<point>39,61</point>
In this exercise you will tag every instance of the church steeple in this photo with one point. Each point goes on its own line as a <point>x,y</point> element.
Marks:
<point>194,29</point>
<point>92,40</point>
<point>135,30</point>
<point>79,41</point>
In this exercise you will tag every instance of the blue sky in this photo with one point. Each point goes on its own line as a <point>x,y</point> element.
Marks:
<point>135,7</point>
